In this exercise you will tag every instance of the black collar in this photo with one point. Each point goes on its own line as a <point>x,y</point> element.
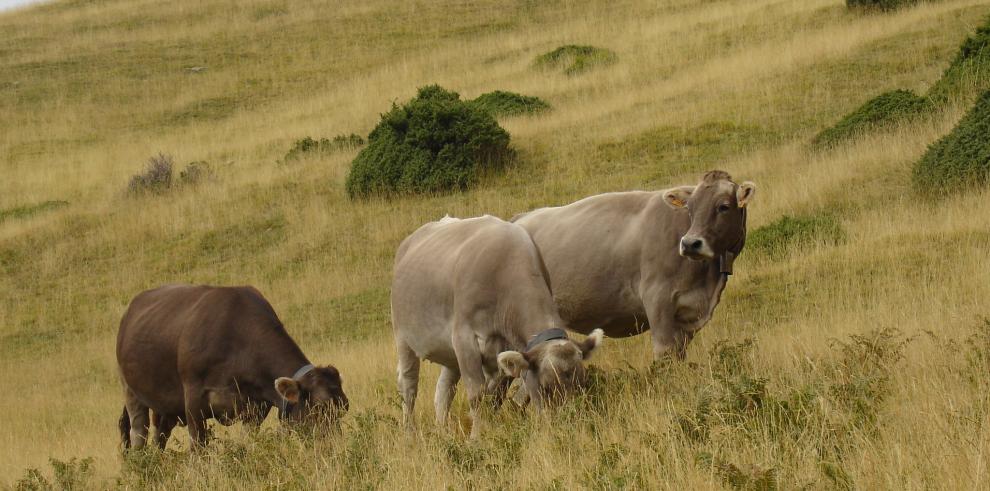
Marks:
<point>547,335</point>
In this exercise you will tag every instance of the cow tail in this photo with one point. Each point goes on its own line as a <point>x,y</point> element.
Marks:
<point>125,429</point>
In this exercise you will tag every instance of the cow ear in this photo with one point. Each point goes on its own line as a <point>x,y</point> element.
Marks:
<point>288,389</point>
<point>512,363</point>
<point>589,345</point>
<point>678,197</point>
<point>745,193</point>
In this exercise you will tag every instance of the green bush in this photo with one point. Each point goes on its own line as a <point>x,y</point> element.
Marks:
<point>969,69</point>
<point>885,109</point>
<point>324,146</point>
<point>502,103</point>
<point>879,4</point>
<point>575,59</point>
<point>961,158</point>
<point>789,231</point>
<point>433,143</point>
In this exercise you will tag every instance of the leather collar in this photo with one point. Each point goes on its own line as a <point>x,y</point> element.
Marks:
<point>546,335</point>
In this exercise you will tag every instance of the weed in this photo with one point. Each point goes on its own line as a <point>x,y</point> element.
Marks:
<point>156,178</point>
<point>69,475</point>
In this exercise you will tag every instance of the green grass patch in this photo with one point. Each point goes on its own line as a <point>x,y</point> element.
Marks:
<point>959,159</point>
<point>434,143</point>
<point>244,239</point>
<point>576,59</point>
<point>885,109</point>
<point>26,211</point>
<point>206,110</point>
<point>503,103</point>
<point>308,147</point>
<point>789,232</point>
<point>667,151</point>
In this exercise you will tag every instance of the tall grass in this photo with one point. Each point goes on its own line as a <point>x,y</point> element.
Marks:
<point>852,363</point>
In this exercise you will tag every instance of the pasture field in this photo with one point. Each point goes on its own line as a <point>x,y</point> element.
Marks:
<point>850,350</point>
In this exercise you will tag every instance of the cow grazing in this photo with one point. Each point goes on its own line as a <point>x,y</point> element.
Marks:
<point>471,295</point>
<point>189,353</point>
<point>640,260</point>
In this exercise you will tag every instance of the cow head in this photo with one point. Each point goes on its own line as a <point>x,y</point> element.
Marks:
<point>551,369</point>
<point>317,392</point>
<point>717,207</point>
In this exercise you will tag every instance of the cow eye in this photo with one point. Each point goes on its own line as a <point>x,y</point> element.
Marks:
<point>724,207</point>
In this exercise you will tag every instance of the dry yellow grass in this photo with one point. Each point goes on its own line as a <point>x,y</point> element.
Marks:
<point>89,90</point>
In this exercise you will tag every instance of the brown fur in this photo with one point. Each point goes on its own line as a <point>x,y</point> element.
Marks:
<point>191,353</point>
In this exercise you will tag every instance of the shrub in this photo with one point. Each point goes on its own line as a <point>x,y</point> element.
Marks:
<point>433,143</point>
<point>157,176</point>
<point>970,68</point>
<point>502,103</point>
<point>885,109</point>
<point>789,231</point>
<point>961,158</point>
<point>879,4</point>
<point>324,146</point>
<point>575,59</point>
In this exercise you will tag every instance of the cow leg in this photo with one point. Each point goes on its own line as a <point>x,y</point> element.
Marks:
<point>138,414</point>
<point>446,388</point>
<point>668,338</point>
<point>197,411</point>
<point>163,428</point>
<point>471,366</point>
<point>408,371</point>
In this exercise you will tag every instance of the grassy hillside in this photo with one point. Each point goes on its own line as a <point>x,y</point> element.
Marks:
<point>850,349</point>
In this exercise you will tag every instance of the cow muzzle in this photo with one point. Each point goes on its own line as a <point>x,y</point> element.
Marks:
<point>696,248</point>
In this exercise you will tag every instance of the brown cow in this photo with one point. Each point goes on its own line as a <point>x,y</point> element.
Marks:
<point>641,260</point>
<point>189,353</point>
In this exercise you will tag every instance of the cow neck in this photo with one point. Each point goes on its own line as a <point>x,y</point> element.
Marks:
<point>728,257</point>
<point>285,358</point>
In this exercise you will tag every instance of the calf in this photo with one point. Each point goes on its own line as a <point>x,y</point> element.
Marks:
<point>472,296</point>
<point>190,353</point>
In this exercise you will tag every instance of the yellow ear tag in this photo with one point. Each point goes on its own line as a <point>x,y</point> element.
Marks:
<point>677,202</point>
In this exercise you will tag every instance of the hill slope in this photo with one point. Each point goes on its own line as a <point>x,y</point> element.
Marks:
<point>854,353</point>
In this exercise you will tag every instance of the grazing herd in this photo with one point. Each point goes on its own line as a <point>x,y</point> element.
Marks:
<point>490,301</point>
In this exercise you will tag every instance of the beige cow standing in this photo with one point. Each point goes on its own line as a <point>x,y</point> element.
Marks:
<point>632,261</point>
<point>471,296</point>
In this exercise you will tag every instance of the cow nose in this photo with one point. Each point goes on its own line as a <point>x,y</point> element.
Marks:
<point>691,244</point>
